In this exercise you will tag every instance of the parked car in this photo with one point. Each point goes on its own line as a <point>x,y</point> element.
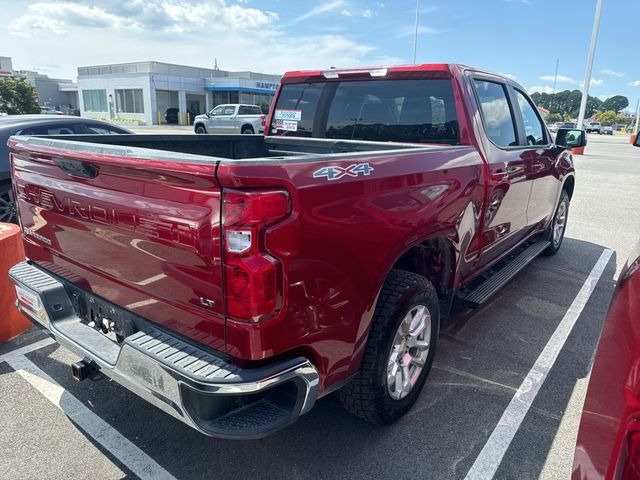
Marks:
<point>322,257</point>
<point>38,125</point>
<point>230,119</point>
<point>606,130</point>
<point>593,127</point>
<point>46,110</point>
<point>171,115</point>
<point>608,443</point>
<point>553,128</point>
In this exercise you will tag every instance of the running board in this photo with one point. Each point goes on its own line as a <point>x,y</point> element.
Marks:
<point>484,289</point>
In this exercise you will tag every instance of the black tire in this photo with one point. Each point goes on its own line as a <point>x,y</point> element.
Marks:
<point>7,204</point>
<point>554,238</point>
<point>200,129</point>
<point>367,396</point>
<point>247,131</point>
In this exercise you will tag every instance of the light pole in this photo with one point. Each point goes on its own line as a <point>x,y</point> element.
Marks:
<point>555,78</point>
<point>415,33</point>
<point>587,76</point>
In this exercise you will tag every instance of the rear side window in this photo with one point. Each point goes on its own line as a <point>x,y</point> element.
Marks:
<point>103,130</point>
<point>496,113</point>
<point>533,130</point>
<point>249,110</point>
<point>376,110</point>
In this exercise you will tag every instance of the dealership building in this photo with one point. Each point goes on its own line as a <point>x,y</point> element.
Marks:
<point>155,92</point>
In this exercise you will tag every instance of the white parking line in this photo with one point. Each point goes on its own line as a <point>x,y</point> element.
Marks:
<point>104,434</point>
<point>32,347</point>
<point>493,451</point>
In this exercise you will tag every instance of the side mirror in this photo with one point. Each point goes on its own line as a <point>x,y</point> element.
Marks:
<point>571,138</point>
<point>636,142</point>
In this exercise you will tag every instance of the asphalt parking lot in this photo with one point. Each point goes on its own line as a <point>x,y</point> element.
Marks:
<point>504,396</point>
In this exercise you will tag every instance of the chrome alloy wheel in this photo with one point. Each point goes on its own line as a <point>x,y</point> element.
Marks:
<point>559,223</point>
<point>7,207</point>
<point>409,352</point>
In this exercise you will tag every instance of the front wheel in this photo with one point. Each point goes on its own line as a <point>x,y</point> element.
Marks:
<point>556,230</point>
<point>200,129</point>
<point>399,350</point>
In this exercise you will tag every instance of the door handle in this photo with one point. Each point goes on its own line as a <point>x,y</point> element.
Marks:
<point>504,173</point>
<point>537,166</point>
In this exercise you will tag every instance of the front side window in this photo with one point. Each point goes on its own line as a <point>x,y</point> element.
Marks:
<point>533,130</point>
<point>129,100</point>
<point>420,111</point>
<point>217,111</point>
<point>94,100</point>
<point>496,113</point>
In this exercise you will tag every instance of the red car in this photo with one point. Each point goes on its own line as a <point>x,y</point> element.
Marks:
<point>231,280</point>
<point>608,443</point>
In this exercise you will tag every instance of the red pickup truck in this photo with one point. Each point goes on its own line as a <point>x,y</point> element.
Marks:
<point>233,280</point>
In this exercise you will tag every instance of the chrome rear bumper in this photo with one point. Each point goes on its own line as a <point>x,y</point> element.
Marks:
<point>192,384</point>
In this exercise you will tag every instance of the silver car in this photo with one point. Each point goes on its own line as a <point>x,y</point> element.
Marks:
<point>231,119</point>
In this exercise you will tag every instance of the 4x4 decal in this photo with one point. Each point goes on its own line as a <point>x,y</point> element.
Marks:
<point>335,173</point>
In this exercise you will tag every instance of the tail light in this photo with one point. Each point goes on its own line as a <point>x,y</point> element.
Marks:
<point>253,278</point>
<point>263,120</point>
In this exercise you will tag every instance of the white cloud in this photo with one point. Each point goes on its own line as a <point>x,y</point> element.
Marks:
<point>612,73</point>
<point>559,79</point>
<point>319,10</point>
<point>346,13</point>
<point>367,13</point>
<point>635,83</point>
<point>540,89</point>
<point>509,75</point>
<point>380,4</point>
<point>595,82</point>
<point>136,16</point>
<point>186,32</point>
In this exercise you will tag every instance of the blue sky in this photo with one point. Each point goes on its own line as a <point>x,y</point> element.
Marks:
<point>522,38</point>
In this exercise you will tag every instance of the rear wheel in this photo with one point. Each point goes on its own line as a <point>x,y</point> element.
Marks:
<point>200,129</point>
<point>555,234</point>
<point>7,204</point>
<point>247,131</point>
<point>399,350</point>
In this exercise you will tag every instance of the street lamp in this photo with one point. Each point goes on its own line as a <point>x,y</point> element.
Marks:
<point>587,76</point>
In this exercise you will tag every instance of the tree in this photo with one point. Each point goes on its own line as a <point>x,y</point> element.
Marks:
<point>18,97</point>
<point>553,118</point>
<point>615,103</point>
<point>607,118</point>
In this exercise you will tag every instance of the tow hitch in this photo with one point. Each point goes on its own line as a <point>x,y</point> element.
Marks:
<point>85,368</point>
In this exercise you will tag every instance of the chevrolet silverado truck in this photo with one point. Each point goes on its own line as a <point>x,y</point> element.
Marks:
<point>233,280</point>
<point>230,119</point>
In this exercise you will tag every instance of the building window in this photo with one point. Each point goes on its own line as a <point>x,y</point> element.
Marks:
<point>129,101</point>
<point>95,100</point>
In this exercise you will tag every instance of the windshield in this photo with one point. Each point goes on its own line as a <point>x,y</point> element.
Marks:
<point>380,110</point>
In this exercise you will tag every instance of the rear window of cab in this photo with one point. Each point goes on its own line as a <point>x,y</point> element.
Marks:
<point>420,111</point>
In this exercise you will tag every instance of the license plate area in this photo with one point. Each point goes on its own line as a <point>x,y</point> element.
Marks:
<point>112,321</point>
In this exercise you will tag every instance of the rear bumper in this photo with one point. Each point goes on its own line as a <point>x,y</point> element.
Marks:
<point>196,386</point>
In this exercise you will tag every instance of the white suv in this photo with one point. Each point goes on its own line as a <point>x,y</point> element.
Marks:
<point>230,119</point>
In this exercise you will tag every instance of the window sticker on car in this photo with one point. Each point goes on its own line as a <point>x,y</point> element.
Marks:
<point>335,173</point>
<point>289,115</point>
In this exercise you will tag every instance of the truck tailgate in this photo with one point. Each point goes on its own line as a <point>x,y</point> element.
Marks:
<point>139,228</point>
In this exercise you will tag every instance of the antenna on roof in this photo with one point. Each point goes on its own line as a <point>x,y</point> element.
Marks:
<point>215,64</point>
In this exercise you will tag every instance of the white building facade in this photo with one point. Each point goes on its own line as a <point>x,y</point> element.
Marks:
<point>153,93</point>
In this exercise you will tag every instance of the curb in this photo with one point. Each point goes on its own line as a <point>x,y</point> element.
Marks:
<point>12,322</point>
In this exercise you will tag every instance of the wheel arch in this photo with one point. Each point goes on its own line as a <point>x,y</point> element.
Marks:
<point>569,185</point>
<point>246,126</point>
